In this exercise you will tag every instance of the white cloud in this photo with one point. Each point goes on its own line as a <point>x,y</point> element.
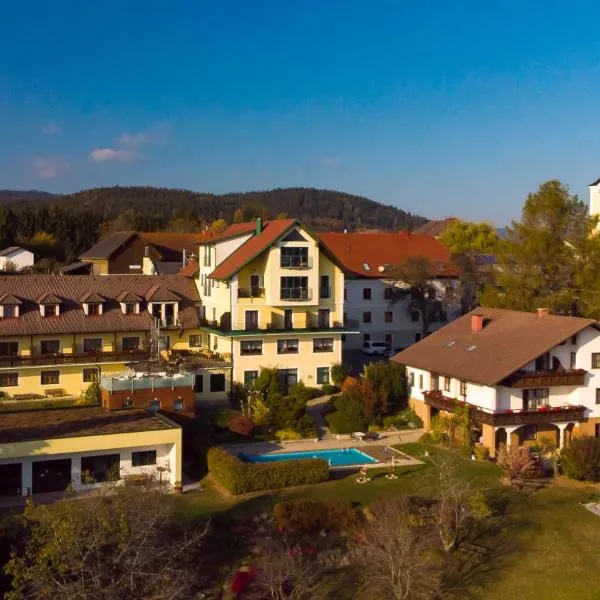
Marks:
<point>331,161</point>
<point>50,167</point>
<point>101,155</point>
<point>51,129</point>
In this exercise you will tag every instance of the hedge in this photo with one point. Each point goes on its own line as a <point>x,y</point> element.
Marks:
<point>239,477</point>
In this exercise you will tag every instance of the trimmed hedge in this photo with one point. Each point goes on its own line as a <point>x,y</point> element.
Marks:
<point>239,477</point>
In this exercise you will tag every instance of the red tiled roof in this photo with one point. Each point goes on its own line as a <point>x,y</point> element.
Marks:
<point>509,340</point>
<point>190,270</point>
<point>158,293</point>
<point>435,227</point>
<point>354,251</point>
<point>271,232</point>
<point>235,230</point>
<point>70,288</point>
<point>174,241</point>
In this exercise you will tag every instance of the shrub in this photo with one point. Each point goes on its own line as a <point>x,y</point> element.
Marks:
<point>425,439</point>
<point>396,421</point>
<point>241,424</point>
<point>581,458</point>
<point>306,516</point>
<point>240,478</point>
<point>481,452</point>
<point>287,434</point>
<point>305,426</point>
<point>91,394</point>
<point>413,418</point>
<point>348,416</point>
<point>222,417</point>
<point>329,389</point>
<point>313,392</point>
<point>516,462</point>
<point>349,383</point>
<point>339,372</point>
<point>479,506</point>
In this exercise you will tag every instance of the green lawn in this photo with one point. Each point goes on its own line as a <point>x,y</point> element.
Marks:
<point>546,545</point>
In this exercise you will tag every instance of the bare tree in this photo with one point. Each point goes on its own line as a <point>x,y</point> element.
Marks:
<point>396,553</point>
<point>119,543</point>
<point>516,462</point>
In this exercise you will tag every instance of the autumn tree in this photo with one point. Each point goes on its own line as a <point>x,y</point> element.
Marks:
<point>218,226</point>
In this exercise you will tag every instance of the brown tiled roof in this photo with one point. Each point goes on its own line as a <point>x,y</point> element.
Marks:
<point>127,296</point>
<point>256,245</point>
<point>46,424</point>
<point>108,245</point>
<point>77,268</point>
<point>71,288</point>
<point>91,297</point>
<point>190,270</point>
<point>362,254</point>
<point>158,293</point>
<point>509,341</point>
<point>166,243</point>
<point>9,300</point>
<point>48,298</point>
<point>435,227</point>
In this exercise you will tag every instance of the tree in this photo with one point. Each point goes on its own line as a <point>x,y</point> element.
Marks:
<point>548,256</point>
<point>384,388</point>
<point>218,226</point>
<point>339,372</point>
<point>516,462</point>
<point>120,543</point>
<point>581,458</point>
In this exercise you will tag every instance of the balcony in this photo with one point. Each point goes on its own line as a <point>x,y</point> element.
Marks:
<point>536,379</point>
<point>295,294</point>
<point>168,322</point>
<point>70,359</point>
<point>544,414</point>
<point>295,262</point>
<point>225,327</point>
<point>252,292</point>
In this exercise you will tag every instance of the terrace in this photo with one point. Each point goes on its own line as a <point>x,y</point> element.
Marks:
<point>535,379</point>
<point>78,358</point>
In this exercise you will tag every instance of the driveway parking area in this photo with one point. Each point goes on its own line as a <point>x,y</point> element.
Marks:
<point>357,360</point>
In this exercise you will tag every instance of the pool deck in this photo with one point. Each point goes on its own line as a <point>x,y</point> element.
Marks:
<point>380,450</point>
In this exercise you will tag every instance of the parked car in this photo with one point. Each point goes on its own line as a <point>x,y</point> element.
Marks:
<point>378,349</point>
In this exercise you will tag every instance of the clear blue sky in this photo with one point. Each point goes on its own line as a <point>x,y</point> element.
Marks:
<point>437,107</point>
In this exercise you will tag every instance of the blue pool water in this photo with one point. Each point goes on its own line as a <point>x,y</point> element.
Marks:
<point>338,457</point>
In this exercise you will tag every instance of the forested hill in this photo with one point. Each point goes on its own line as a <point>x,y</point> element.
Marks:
<point>61,227</point>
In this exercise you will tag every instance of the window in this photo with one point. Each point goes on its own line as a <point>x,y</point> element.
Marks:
<point>101,468</point>
<point>446,384</point>
<point>130,343</point>
<point>50,346</point>
<point>92,345</point>
<point>249,378</point>
<point>325,288</point>
<point>323,345</point>
<point>250,347</point>
<point>9,348</point>
<point>421,381</point>
<point>257,288</point>
<point>93,309</point>
<point>287,346</point>
<point>366,337</point>
<point>366,293</point>
<point>388,337</point>
<point>294,288</point>
<point>51,310</point>
<point>143,458</point>
<point>367,317</point>
<point>323,318</point>
<point>322,375</point>
<point>9,311</point>
<point>251,320</point>
<point>130,308</point>
<point>529,432</point>
<point>90,375</point>
<point>206,256</point>
<point>597,395</point>
<point>595,360</point>
<point>463,388</point>
<point>389,316</point>
<point>574,340</point>
<point>195,341</point>
<point>217,382</point>
<point>155,405</point>
<point>50,377</point>
<point>294,257</point>
<point>542,363</point>
<point>128,402</point>
<point>535,397</point>
<point>573,360</point>
<point>9,379</point>
<point>287,379</point>
<point>178,404</point>
<point>388,293</point>
<point>414,316</point>
<point>288,319</point>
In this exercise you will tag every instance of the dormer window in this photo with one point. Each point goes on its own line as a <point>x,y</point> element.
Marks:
<point>49,305</point>
<point>50,310</point>
<point>163,305</point>
<point>92,304</point>
<point>9,306</point>
<point>130,303</point>
<point>131,308</point>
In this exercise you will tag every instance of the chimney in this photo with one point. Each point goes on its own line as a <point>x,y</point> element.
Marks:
<point>259,225</point>
<point>183,261</point>
<point>542,312</point>
<point>476,323</point>
<point>146,251</point>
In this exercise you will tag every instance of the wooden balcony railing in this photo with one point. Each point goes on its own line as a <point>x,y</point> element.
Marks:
<point>533,379</point>
<point>83,358</point>
<point>544,414</point>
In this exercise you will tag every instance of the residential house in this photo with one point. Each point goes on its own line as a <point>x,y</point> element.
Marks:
<point>376,295</point>
<point>272,296</point>
<point>525,376</point>
<point>51,450</point>
<point>58,334</point>
<point>16,258</point>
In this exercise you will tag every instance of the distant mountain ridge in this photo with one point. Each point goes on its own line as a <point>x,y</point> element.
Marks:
<point>322,209</point>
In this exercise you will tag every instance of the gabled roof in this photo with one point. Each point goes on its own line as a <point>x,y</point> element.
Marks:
<point>233,231</point>
<point>48,298</point>
<point>108,245</point>
<point>158,293</point>
<point>91,297</point>
<point>595,183</point>
<point>190,270</point>
<point>167,243</point>
<point>9,300</point>
<point>128,296</point>
<point>78,268</point>
<point>379,255</point>
<point>11,250</point>
<point>508,341</point>
<point>435,228</point>
<point>256,245</point>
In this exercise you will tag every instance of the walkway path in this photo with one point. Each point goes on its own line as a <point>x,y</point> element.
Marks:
<point>314,408</point>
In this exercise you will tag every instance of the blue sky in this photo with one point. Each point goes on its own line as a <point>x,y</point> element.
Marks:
<point>439,108</point>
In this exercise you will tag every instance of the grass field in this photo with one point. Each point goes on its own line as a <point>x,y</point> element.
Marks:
<point>546,545</point>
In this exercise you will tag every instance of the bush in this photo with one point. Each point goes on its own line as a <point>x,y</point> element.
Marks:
<point>241,424</point>
<point>240,478</point>
<point>308,517</point>
<point>516,462</point>
<point>313,392</point>
<point>222,417</point>
<point>305,426</point>
<point>287,434</point>
<point>339,372</point>
<point>395,421</point>
<point>581,458</point>
<point>329,389</point>
<point>91,394</point>
<point>348,416</point>
<point>425,439</point>
<point>481,452</point>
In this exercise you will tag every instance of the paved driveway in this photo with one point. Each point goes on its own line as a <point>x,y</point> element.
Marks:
<point>357,360</point>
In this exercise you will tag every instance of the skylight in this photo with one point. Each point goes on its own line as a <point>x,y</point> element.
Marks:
<point>366,267</point>
<point>471,348</point>
<point>450,344</point>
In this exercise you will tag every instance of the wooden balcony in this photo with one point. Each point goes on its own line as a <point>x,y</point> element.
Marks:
<point>545,414</point>
<point>70,359</point>
<point>535,379</point>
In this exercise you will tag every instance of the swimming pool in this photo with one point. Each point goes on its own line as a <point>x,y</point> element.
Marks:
<point>337,457</point>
